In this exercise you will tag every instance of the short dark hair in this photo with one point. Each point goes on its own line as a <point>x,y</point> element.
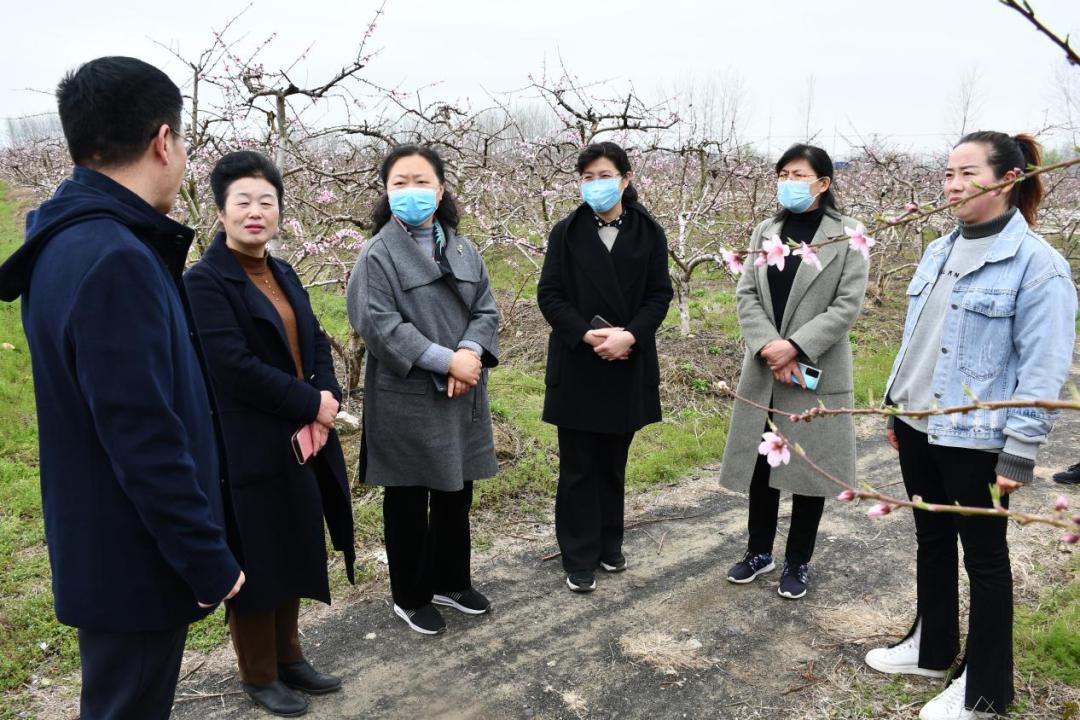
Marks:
<point>822,164</point>
<point>1013,152</point>
<point>244,164</point>
<point>618,158</point>
<point>112,107</point>
<point>447,213</point>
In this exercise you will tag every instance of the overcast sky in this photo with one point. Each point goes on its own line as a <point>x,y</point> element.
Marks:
<point>878,68</point>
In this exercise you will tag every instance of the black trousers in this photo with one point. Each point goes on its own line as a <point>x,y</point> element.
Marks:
<point>959,475</point>
<point>428,546</point>
<point>765,508</point>
<point>129,676</point>
<point>589,501</point>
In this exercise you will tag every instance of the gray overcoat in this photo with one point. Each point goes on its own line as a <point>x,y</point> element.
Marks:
<point>820,311</point>
<point>400,303</point>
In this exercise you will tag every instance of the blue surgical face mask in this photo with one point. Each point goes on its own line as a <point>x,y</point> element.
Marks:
<point>795,195</point>
<point>413,206</point>
<point>601,194</point>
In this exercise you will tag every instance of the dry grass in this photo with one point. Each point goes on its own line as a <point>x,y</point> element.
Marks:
<point>663,652</point>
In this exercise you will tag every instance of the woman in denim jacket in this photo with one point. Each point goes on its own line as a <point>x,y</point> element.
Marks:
<point>991,313</point>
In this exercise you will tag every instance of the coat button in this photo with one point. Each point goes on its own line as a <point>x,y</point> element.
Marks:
<point>945,351</point>
<point>955,306</point>
<point>937,396</point>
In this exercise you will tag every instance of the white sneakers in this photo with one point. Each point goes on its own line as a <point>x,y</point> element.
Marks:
<point>949,705</point>
<point>902,658</point>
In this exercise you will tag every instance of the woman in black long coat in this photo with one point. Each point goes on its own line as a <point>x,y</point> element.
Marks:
<point>273,375</point>
<point>604,289</point>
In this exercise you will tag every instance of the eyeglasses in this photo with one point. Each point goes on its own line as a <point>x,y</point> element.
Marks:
<point>785,175</point>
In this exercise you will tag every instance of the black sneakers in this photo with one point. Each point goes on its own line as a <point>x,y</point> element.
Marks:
<point>750,567</point>
<point>581,581</point>
<point>426,620</point>
<point>469,601</point>
<point>1070,476</point>
<point>793,580</point>
<point>614,564</point>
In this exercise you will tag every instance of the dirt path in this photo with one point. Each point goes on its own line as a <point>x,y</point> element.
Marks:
<point>670,638</point>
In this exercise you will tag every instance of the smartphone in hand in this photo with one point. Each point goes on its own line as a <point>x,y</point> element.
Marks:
<point>303,444</point>
<point>810,374</point>
<point>599,323</point>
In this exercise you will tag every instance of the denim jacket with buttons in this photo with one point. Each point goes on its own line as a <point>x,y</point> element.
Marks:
<point>1008,334</point>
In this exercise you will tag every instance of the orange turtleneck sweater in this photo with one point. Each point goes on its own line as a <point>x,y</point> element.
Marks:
<point>258,271</point>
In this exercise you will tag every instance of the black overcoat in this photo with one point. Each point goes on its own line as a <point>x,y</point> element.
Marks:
<point>630,288</point>
<point>275,506</point>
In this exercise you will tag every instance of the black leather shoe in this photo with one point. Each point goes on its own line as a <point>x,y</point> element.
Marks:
<point>277,699</point>
<point>301,676</point>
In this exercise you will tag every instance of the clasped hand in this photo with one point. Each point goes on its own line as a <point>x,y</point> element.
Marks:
<point>611,343</point>
<point>465,368</point>
<point>782,357</point>
<point>324,421</point>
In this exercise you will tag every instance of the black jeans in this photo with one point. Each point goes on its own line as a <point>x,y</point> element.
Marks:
<point>428,550</point>
<point>589,501</point>
<point>129,676</point>
<point>764,509</point>
<point>950,475</point>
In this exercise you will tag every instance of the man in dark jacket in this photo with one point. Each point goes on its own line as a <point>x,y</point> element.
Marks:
<point>130,480</point>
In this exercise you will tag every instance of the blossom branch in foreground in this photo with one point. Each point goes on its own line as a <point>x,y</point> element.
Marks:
<point>861,238</point>
<point>774,444</point>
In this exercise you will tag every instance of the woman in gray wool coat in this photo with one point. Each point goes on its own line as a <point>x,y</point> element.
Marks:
<point>795,315</point>
<point>419,296</point>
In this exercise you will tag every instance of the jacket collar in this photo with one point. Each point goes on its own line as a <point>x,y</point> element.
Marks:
<point>1005,246</point>
<point>583,241</point>
<point>259,306</point>
<point>830,227</point>
<point>169,238</point>
<point>414,267</point>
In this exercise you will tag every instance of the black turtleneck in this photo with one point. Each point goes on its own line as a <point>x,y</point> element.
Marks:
<point>801,228</point>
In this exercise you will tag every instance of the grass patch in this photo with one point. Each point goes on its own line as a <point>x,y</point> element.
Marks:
<point>1047,636</point>
<point>329,309</point>
<point>31,640</point>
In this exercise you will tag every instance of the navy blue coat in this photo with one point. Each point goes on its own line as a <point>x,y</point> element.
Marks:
<point>129,467</point>
<point>275,506</point>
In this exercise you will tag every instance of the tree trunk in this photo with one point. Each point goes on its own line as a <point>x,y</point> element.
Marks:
<point>682,292</point>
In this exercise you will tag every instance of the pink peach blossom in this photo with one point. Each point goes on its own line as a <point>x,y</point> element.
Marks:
<point>734,261</point>
<point>775,252</point>
<point>859,240</point>
<point>774,449</point>
<point>809,255</point>
<point>879,510</point>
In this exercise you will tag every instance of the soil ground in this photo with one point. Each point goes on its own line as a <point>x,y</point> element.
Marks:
<point>669,638</point>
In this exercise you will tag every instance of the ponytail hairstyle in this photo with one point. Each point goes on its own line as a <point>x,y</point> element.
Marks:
<point>447,213</point>
<point>618,158</point>
<point>1005,153</point>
